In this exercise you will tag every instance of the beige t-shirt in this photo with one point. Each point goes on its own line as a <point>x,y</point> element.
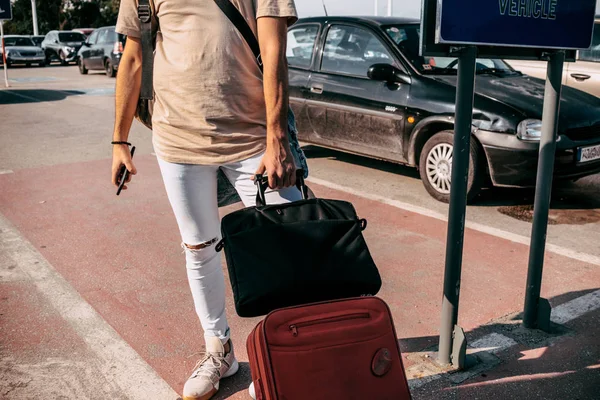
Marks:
<point>209,101</point>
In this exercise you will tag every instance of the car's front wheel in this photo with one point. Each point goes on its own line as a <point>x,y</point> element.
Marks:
<point>435,167</point>
<point>63,58</point>
<point>82,69</point>
<point>111,72</point>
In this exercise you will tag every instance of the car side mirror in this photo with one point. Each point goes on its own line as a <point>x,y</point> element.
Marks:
<point>387,73</point>
<point>86,44</point>
<point>55,41</point>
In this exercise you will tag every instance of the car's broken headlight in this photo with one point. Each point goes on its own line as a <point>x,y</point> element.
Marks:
<point>530,129</point>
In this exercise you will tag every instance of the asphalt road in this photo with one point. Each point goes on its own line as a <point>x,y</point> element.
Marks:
<point>54,116</point>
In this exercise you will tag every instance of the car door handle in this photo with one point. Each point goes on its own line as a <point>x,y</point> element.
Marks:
<point>316,89</point>
<point>580,77</point>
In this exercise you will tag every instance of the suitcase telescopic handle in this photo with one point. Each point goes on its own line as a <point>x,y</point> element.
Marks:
<point>262,183</point>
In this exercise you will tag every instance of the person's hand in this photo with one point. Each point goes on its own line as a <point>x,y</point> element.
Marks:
<point>122,156</point>
<point>278,163</point>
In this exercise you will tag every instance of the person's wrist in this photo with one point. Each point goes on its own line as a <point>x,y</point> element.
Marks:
<point>121,148</point>
<point>277,130</point>
<point>277,140</point>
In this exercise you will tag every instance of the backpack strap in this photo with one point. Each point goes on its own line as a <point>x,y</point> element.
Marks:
<point>145,13</point>
<point>241,24</point>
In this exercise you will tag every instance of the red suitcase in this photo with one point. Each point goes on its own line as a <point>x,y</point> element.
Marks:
<point>340,350</point>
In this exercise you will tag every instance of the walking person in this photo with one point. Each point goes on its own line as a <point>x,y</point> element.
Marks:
<point>213,109</point>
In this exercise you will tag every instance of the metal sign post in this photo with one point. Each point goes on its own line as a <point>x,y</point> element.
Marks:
<point>3,53</point>
<point>537,310</point>
<point>453,352</point>
<point>5,14</point>
<point>508,30</point>
<point>34,17</point>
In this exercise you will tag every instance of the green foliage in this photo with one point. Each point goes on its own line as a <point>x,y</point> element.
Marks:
<point>62,14</point>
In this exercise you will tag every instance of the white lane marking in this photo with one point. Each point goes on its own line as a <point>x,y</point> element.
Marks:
<point>492,343</point>
<point>118,362</point>
<point>6,171</point>
<point>519,378</point>
<point>575,308</point>
<point>370,196</point>
<point>513,237</point>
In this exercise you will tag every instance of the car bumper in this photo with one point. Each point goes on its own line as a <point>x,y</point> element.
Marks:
<point>70,57</point>
<point>25,60</point>
<point>513,162</point>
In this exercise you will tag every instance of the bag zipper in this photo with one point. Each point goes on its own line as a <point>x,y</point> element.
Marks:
<point>294,327</point>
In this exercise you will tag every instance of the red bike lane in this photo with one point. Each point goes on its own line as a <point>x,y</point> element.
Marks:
<point>123,256</point>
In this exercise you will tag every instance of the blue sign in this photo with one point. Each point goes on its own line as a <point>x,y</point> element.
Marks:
<point>5,9</point>
<point>559,24</point>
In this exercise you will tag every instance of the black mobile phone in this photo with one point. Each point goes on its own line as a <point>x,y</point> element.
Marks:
<point>124,174</point>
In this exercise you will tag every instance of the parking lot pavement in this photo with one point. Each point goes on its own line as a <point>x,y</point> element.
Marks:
<point>67,117</point>
<point>118,261</point>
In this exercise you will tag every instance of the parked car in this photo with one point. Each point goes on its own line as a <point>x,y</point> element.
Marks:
<point>37,39</point>
<point>86,31</point>
<point>584,74</point>
<point>359,85</point>
<point>22,50</point>
<point>101,51</point>
<point>62,46</point>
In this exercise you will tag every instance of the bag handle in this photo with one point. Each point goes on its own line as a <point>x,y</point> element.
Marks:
<point>145,13</point>
<point>237,19</point>
<point>262,182</point>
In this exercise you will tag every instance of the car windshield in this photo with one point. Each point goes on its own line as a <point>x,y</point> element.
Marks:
<point>71,37</point>
<point>407,38</point>
<point>18,41</point>
<point>37,40</point>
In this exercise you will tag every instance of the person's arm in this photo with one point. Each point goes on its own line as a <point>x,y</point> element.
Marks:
<point>278,161</point>
<point>127,94</point>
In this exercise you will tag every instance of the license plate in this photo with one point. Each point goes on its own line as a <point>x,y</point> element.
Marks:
<point>586,154</point>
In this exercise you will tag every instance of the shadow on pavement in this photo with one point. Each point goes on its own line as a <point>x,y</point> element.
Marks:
<point>35,66</point>
<point>23,96</point>
<point>417,344</point>
<point>386,166</point>
<point>572,203</point>
<point>561,364</point>
<point>238,383</point>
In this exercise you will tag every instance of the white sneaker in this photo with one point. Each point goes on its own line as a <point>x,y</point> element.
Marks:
<point>204,381</point>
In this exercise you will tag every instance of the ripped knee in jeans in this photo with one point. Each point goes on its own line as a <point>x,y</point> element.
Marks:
<point>200,246</point>
<point>199,255</point>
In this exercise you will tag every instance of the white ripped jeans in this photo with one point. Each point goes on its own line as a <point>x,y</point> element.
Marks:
<point>192,192</point>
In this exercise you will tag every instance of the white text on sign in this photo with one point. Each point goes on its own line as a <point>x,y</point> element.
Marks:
<point>539,9</point>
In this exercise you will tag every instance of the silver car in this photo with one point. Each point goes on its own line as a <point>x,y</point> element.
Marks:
<point>583,74</point>
<point>22,50</point>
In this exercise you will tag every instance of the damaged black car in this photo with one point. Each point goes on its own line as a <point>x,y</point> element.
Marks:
<point>358,84</point>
